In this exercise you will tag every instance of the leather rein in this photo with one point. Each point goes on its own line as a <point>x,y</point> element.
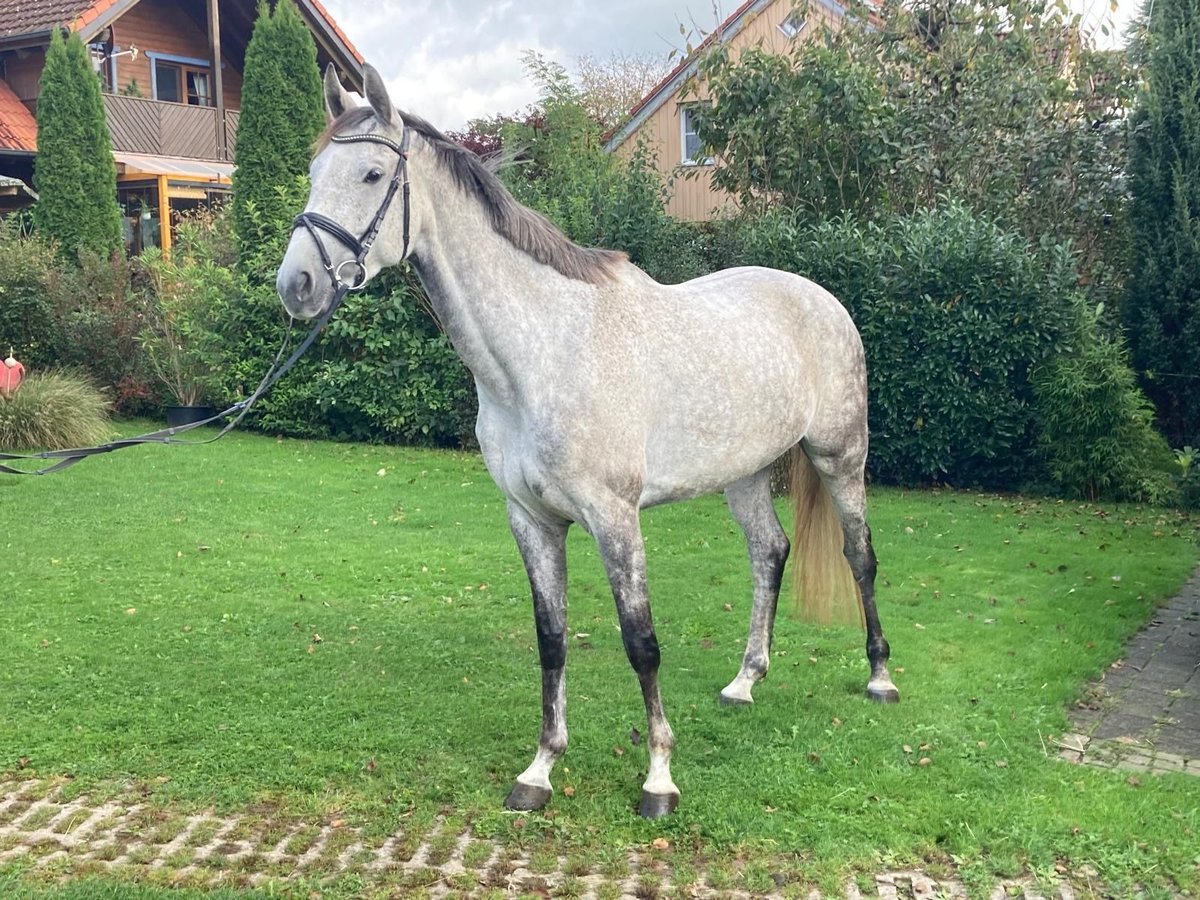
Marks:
<point>313,223</point>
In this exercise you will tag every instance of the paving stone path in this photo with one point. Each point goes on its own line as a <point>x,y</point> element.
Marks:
<point>57,836</point>
<point>1144,713</point>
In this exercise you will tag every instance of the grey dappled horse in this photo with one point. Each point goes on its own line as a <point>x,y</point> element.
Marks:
<point>601,391</point>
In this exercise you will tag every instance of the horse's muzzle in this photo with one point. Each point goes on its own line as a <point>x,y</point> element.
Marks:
<point>303,297</point>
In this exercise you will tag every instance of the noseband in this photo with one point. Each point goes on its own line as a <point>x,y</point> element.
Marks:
<point>360,246</point>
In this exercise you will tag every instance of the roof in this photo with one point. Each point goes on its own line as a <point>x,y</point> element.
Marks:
<point>20,17</point>
<point>18,128</point>
<point>336,29</point>
<point>674,80</point>
<point>33,18</point>
<point>176,166</point>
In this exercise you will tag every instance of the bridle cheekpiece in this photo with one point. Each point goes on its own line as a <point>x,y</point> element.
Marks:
<point>361,246</point>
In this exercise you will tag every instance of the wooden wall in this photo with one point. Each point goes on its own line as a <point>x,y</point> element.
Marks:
<point>158,26</point>
<point>22,70</point>
<point>692,196</point>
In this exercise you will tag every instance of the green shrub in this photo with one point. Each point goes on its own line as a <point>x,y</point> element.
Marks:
<point>1187,477</point>
<point>954,313</point>
<point>393,374</point>
<point>28,322</point>
<point>1097,438</point>
<point>250,334</point>
<point>186,294</point>
<point>52,411</point>
<point>99,313</point>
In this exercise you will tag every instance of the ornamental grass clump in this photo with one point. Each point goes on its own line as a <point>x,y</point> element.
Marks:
<point>53,411</point>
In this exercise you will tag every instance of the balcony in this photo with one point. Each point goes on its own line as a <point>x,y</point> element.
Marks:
<point>156,128</point>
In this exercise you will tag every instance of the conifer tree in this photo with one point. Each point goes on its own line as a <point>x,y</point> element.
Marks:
<point>74,173</point>
<point>282,114</point>
<point>1162,310</point>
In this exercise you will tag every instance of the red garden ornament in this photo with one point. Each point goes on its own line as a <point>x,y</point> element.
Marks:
<point>11,374</point>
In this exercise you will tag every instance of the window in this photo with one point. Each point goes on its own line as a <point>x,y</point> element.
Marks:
<point>177,82</point>
<point>793,24</point>
<point>690,141</point>
<point>103,64</point>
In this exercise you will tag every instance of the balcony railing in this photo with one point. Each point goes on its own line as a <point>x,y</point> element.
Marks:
<point>138,125</point>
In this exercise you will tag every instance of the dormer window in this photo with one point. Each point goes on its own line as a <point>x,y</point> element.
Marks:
<point>793,24</point>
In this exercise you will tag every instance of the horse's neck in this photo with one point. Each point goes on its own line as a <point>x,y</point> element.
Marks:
<point>499,306</point>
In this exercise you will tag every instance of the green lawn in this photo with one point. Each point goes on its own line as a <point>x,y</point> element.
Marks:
<point>342,629</point>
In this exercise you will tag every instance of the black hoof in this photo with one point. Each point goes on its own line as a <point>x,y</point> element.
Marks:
<point>890,695</point>
<point>527,797</point>
<point>655,806</point>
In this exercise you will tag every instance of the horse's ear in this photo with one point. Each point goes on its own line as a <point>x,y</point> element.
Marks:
<point>377,94</point>
<point>337,101</point>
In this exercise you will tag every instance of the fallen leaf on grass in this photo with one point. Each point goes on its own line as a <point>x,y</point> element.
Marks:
<point>618,751</point>
<point>1001,764</point>
<point>660,844</point>
<point>918,626</point>
<point>568,791</point>
<point>924,761</point>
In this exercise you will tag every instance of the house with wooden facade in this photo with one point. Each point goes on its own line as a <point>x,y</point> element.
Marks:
<point>663,118</point>
<point>171,72</point>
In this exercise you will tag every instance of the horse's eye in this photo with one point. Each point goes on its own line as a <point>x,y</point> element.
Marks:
<point>373,176</point>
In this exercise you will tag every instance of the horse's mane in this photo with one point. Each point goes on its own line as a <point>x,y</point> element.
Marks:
<point>528,231</point>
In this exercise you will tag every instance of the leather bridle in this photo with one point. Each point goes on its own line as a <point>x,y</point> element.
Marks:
<point>314,223</point>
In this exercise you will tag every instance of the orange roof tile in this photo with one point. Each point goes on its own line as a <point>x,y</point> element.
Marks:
<point>91,14</point>
<point>334,25</point>
<point>18,128</point>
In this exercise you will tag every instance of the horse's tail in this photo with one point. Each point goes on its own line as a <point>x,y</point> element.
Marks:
<point>823,588</point>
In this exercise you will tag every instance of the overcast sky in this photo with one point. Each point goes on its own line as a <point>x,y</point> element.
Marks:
<point>454,60</point>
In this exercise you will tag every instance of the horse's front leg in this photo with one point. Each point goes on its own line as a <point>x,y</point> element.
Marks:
<point>543,548</point>
<point>624,557</point>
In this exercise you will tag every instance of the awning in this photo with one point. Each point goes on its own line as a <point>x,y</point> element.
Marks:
<point>173,167</point>
<point>15,194</point>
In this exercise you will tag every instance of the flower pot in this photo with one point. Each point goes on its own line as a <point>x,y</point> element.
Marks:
<point>186,415</point>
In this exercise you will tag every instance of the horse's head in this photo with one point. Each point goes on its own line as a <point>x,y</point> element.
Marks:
<point>357,220</point>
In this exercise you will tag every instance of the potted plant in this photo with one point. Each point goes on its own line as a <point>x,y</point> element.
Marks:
<point>185,293</point>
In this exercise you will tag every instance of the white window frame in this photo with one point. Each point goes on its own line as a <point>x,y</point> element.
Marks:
<point>793,24</point>
<point>684,109</point>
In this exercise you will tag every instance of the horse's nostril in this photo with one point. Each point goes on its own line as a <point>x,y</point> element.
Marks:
<point>304,286</point>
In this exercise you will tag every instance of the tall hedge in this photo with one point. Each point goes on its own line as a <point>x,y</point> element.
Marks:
<point>1162,310</point>
<point>955,315</point>
<point>282,114</point>
<point>74,173</point>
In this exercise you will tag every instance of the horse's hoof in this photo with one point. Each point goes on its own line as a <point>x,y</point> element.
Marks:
<point>527,797</point>
<point>655,806</point>
<point>884,695</point>
<point>732,700</point>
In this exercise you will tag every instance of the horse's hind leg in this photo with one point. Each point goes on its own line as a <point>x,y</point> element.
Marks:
<point>750,502</point>
<point>843,476</point>
<point>619,536</point>
<point>543,548</point>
